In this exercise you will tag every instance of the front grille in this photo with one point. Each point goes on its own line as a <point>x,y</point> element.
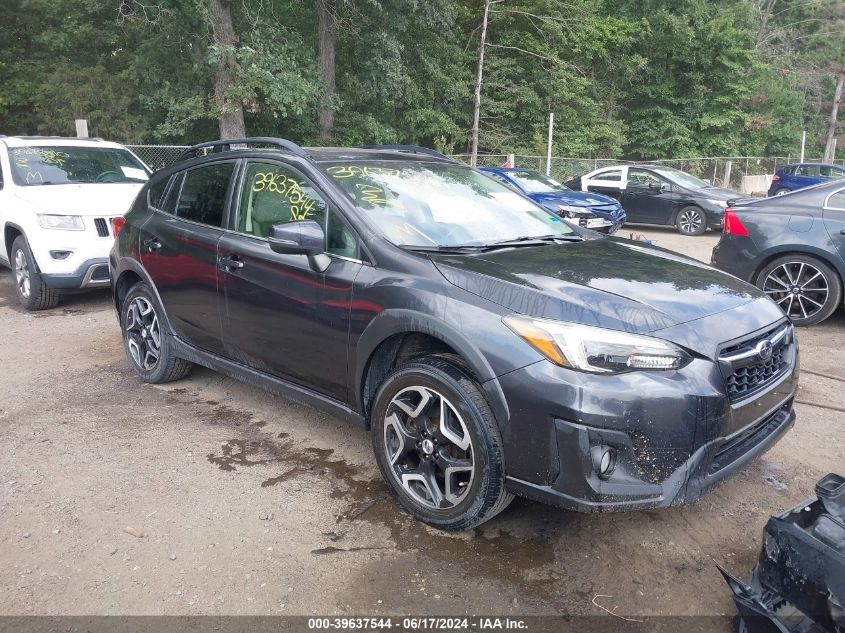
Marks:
<point>748,373</point>
<point>102,227</point>
<point>746,380</point>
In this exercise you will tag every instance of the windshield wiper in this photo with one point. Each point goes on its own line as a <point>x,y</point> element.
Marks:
<point>534,240</point>
<point>450,248</point>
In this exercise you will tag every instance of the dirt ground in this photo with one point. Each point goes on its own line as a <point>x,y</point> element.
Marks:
<point>250,504</point>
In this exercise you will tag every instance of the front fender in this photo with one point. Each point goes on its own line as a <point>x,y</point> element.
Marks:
<point>400,321</point>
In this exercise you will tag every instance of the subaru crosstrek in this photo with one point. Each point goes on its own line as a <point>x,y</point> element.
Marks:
<point>491,348</point>
<point>59,199</point>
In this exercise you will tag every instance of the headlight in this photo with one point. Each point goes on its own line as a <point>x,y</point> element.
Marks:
<point>63,222</point>
<point>719,203</point>
<point>595,349</point>
<point>571,211</point>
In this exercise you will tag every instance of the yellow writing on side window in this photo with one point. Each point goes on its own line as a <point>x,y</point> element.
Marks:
<point>301,205</point>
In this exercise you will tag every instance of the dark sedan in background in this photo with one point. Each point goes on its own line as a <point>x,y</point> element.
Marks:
<point>653,194</point>
<point>790,246</point>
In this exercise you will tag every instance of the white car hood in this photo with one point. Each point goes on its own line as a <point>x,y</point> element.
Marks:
<point>97,199</point>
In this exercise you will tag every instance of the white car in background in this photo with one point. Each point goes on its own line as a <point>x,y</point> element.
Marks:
<point>62,200</point>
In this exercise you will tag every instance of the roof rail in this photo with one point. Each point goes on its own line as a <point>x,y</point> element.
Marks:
<point>224,145</point>
<point>412,149</point>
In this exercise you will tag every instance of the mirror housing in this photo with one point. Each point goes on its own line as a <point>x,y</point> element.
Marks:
<point>301,237</point>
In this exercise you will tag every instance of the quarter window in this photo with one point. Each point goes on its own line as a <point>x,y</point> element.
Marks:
<point>274,194</point>
<point>203,196</point>
<point>168,205</point>
<point>341,239</point>
<point>155,191</point>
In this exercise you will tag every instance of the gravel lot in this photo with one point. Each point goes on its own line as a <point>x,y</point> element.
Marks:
<point>250,504</point>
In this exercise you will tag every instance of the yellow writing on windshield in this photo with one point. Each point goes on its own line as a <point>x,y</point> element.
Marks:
<point>24,156</point>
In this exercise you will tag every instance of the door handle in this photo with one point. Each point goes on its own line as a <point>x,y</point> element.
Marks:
<point>152,244</point>
<point>231,263</point>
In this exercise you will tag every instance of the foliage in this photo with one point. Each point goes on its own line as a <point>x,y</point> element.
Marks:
<point>625,78</point>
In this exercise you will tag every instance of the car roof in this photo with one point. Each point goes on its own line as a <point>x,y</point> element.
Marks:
<point>62,141</point>
<point>335,154</point>
<point>813,164</point>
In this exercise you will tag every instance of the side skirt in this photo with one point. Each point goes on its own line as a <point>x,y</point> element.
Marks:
<point>269,383</point>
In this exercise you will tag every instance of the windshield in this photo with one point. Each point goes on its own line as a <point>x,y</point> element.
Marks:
<point>62,164</point>
<point>437,204</point>
<point>681,177</point>
<point>535,182</point>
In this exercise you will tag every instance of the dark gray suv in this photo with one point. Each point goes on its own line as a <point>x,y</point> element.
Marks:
<point>490,347</point>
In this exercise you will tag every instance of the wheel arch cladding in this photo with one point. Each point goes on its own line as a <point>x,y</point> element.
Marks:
<point>128,267</point>
<point>399,335</point>
<point>10,233</point>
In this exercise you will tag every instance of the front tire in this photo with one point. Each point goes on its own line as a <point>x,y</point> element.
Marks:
<point>32,291</point>
<point>805,288</point>
<point>438,446</point>
<point>145,341</point>
<point>691,220</point>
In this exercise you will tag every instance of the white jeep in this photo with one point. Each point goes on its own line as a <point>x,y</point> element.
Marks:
<point>59,198</point>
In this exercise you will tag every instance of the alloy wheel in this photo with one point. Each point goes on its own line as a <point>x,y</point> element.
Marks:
<point>143,334</point>
<point>22,273</point>
<point>800,289</point>
<point>428,447</point>
<point>690,221</point>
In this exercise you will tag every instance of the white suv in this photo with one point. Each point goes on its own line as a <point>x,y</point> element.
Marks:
<point>59,201</point>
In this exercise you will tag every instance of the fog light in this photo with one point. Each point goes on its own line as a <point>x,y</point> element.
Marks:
<point>604,461</point>
<point>60,254</point>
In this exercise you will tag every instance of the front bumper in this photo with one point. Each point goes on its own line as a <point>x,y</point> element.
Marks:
<point>92,273</point>
<point>674,435</point>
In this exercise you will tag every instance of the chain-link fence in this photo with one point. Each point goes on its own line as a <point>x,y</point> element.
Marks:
<point>714,169</point>
<point>157,156</point>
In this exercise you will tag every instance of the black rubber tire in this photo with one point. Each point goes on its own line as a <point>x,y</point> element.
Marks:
<point>169,366</point>
<point>487,495</point>
<point>834,284</point>
<point>41,296</point>
<point>689,209</point>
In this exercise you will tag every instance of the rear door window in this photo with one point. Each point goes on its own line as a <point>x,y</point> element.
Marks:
<point>204,192</point>
<point>807,170</point>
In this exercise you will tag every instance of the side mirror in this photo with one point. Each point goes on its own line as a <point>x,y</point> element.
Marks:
<point>302,237</point>
<point>658,186</point>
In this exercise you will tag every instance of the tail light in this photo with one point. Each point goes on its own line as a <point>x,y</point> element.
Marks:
<point>117,225</point>
<point>775,178</point>
<point>732,225</point>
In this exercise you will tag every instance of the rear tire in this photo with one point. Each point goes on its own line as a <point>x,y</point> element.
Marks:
<point>807,289</point>
<point>782,191</point>
<point>438,446</point>
<point>691,220</point>
<point>32,291</point>
<point>145,340</point>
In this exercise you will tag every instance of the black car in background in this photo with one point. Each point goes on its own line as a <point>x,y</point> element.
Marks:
<point>653,194</point>
<point>490,347</point>
<point>792,247</point>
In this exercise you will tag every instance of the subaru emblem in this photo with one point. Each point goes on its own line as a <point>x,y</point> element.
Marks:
<point>765,349</point>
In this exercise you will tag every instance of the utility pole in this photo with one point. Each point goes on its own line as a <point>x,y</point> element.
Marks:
<point>476,101</point>
<point>803,143</point>
<point>833,121</point>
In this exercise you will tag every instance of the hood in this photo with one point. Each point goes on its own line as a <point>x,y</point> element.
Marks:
<point>607,282</point>
<point>90,199</point>
<point>574,198</point>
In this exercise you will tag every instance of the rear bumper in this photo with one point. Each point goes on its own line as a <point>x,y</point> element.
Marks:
<point>736,255</point>
<point>92,273</point>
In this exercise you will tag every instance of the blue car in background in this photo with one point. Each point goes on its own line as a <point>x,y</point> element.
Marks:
<point>590,210</point>
<point>799,175</point>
